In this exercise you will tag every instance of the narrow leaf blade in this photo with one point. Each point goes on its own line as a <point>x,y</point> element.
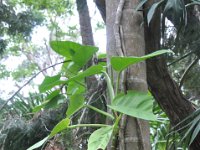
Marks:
<point>38,144</point>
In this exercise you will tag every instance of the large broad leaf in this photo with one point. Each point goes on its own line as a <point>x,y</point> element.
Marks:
<point>38,144</point>
<point>71,69</point>
<point>75,87</point>
<point>136,104</point>
<point>54,102</point>
<point>80,54</point>
<point>100,138</point>
<point>76,103</point>
<point>121,63</point>
<point>89,72</point>
<point>152,11</point>
<point>62,125</point>
<point>49,82</point>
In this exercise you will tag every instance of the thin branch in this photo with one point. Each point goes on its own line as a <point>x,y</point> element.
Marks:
<point>186,71</point>
<point>84,111</point>
<point>10,99</point>
<point>180,58</point>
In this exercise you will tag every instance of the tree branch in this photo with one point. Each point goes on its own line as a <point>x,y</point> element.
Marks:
<point>187,71</point>
<point>10,99</point>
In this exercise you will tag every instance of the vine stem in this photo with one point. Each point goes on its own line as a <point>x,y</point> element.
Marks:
<point>88,125</point>
<point>100,111</point>
<point>187,70</point>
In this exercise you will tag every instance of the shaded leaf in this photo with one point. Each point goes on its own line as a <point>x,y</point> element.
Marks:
<point>38,144</point>
<point>136,104</point>
<point>75,87</point>
<point>76,103</point>
<point>142,2</point>
<point>62,125</point>
<point>195,133</point>
<point>152,11</point>
<point>121,63</point>
<point>99,139</point>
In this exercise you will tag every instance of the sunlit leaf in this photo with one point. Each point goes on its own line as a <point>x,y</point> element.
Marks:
<point>50,82</point>
<point>89,72</point>
<point>75,87</point>
<point>99,139</point>
<point>62,125</point>
<point>76,103</point>
<point>134,103</point>
<point>121,63</point>
<point>80,54</point>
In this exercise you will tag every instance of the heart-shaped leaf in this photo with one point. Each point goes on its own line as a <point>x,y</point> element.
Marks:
<point>76,103</point>
<point>99,139</point>
<point>134,103</point>
<point>62,125</point>
<point>79,54</point>
<point>121,63</point>
<point>49,82</point>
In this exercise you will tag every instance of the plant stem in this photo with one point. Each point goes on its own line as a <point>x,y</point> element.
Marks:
<point>100,111</point>
<point>87,125</point>
<point>110,87</point>
<point>117,83</point>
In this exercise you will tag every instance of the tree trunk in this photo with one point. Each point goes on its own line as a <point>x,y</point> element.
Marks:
<point>136,131</point>
<point>85,23</point>
<point>162,86</point>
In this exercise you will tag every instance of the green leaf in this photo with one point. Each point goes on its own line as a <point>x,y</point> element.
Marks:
<point>62,125</point>
<point>152,11</point>
<point>38,144</point>
<point>54,102</point>
<point>89,72</point>
<point>176,5</point>
<point>71,69</point>
<point>195,122</point>
<point>136,104</point>
<point>140,4</point>
<point>121,63</point>
<point>99,139</point>
<point>75,87</point>
<point>39,107</point>
<point>80,54</point>
<point>53,94</point>
<point>49,82</point>
<point>76,103</point>
<point>195,133</point>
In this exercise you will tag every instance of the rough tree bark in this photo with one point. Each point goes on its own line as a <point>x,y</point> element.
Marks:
<point>85,23</point>
<point>136,132</point>
<point>162,86</point>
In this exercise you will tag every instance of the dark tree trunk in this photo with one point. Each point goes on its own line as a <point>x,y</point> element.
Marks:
<point>85,23</point>
<point>163,87</point>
